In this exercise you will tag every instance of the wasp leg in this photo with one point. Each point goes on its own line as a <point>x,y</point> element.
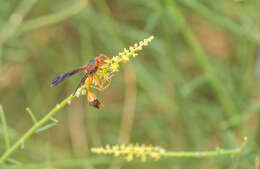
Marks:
<point>101,86</point>
<point>105,56</point>
<point>89,82</point>
<point>109,82</point>
<point>92,99</point>
<point>100,83</point>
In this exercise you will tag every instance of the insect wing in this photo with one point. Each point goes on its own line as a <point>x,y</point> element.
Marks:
<point>66,75</point>
<point>82,81</point>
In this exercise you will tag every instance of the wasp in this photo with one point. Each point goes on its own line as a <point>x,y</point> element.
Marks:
<point>90,75</point>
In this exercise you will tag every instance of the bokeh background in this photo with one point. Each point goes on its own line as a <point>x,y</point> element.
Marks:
<point>194,88</point>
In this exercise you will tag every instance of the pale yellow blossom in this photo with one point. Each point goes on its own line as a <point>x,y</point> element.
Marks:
<point>112,65</point>
<point>129,152</point>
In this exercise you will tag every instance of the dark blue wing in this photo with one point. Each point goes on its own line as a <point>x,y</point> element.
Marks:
<point>66,75</point>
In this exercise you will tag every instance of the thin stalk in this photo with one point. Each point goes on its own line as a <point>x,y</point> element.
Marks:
<point>5,129</point>
<point>68,163</point>
<point>201,57</point>
<point>129,105</point>
<point>31,115</point>
<point>15,27</point>
<point>201,154</point>
<point>222,21</point>
<point>36,126</point>
<point>52,18</point>
<point>130,152</point>
<point>16,19</point>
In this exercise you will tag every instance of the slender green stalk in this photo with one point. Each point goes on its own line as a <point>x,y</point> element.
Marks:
<point>54,120</point>
<point>52,18</point>
<point>36,126</point>
<point>31,114</point>
<point>200,154</point>
<point>14,161</point>
<point>47,126</point>
<point>5,132</point>
<point>130,152</point>
<point>11,28</point>
<point>222,21</point>
<point>16,19</point>
<point>201,57</point>
<point>1,55</point>
<point>69,163</point>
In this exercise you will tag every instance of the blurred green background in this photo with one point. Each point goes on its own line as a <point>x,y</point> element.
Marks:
<point>194,88</point>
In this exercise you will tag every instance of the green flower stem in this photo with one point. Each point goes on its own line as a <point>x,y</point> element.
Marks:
<point>201,58</point>
<point>37,125</point>
<point>31,115</point>
<point>130,152</point>
<point>52,18</point>
<point>16,19</point>
<point>4,124</point>
<point>200,154</point>
<point>68,163</point>
<point>222,21</point>
<point>15,29</point>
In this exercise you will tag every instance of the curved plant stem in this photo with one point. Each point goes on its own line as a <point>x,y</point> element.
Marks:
<point>36,126</point>
<point>16,20</point>
<point>4,124</point>
<point>222,21</point>
<point>129,152</point>
<point>129,105</point>
<point>68,163</point>
<point>203,153</point>
<point>199,154</point>
<point>15,26</point>
<point>52,18</point>
<point>201,58</point>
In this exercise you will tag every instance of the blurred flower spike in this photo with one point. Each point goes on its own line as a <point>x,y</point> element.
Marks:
<point>112,65</point>
<point>130,152</point>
